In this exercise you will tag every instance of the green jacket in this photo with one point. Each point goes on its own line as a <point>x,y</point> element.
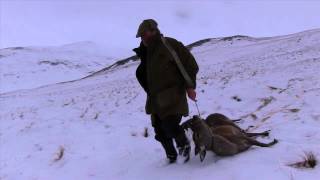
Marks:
<point>160,77</point>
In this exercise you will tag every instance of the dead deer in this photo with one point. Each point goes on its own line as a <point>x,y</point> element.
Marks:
<point>216,119</point>
<point>223,140</point>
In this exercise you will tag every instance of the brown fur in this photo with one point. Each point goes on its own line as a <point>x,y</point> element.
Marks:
<point>216,120</point>
<point>220,135</point>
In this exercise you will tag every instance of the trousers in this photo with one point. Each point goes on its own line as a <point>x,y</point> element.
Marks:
<point>168,129</point>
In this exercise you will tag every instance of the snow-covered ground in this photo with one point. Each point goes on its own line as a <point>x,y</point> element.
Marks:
<point>93,128</point>
<point>31,67</point>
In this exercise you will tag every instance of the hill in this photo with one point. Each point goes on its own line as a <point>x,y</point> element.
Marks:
<point>92,128</point>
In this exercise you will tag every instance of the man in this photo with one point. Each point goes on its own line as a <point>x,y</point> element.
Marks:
<point>166,89</point>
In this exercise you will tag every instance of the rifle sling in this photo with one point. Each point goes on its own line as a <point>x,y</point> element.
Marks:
<point>178,62</point>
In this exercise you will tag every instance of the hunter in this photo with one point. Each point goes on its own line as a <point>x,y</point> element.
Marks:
<point>165,86</point>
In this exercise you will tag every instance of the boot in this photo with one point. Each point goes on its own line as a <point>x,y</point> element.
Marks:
<point>170,150</point>
<point>183,146</point>
<point>171,159</point>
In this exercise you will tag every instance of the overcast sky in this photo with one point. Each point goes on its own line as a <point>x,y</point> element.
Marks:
<point>113,24</point>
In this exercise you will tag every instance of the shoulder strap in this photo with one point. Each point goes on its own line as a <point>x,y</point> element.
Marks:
<point>178,62</point>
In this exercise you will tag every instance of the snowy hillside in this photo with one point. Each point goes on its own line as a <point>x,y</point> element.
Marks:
<point>31,67</point>
<point>93,128</point>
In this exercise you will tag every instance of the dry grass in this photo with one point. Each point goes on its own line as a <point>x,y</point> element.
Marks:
<point>295,110</point>
<point>146,132</point>
<point>236,98</point>
<point>253,116</point>
<point>309,160</point>
<point>60,154</point>
<point>265,102</point>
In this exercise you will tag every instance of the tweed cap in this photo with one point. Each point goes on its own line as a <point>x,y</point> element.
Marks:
<point>147,24</point>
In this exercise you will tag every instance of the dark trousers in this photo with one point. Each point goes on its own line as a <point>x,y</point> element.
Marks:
<point>167,129</point>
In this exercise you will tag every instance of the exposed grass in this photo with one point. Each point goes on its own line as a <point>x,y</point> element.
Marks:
<point>60,154</point>
<point>265,102</point>
<point>133,134</point>
<point>236,98</point>
<point>146,132</point>
<point>309,160</point>
<point>295,110</point>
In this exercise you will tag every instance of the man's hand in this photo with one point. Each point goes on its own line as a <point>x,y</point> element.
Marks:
<point>192,94</point>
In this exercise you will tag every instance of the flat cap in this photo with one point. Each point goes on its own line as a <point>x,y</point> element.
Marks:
<point>147,24</point>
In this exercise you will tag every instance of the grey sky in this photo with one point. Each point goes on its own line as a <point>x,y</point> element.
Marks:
<point>113,24</point>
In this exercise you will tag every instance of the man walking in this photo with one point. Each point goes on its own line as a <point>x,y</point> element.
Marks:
<point>165,85</point>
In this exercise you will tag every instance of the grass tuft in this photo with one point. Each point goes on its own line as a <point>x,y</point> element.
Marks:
<point>146,132</point>
<point>59,154</point>
<point>309,160</point>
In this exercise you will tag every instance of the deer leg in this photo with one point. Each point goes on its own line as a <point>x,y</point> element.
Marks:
<point>257,143</point>
<point>236,120</point>
<point>265,133</point>
<point>199,149</point>
<point>196,143</point>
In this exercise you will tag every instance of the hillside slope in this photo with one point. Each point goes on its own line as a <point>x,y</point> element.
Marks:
<point>31,67</point>
<point>93,128</point>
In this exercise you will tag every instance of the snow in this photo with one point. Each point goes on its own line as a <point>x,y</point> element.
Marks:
<point>99,121</point>
<point>31,67</point>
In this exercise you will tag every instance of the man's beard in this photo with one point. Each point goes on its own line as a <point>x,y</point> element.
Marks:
<point>149,40</point>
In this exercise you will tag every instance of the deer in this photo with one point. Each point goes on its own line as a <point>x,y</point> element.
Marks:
<point>221,136</point>
<point>217,119</point>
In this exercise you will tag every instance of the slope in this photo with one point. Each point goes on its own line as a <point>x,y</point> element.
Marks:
<point>93,128</point>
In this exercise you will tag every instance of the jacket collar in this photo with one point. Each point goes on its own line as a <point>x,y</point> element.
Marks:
<point>142,48</point>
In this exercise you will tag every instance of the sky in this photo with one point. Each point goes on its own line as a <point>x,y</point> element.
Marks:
<point>113,24</point>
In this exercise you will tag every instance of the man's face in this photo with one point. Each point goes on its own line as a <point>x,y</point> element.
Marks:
<point>147,34</point>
